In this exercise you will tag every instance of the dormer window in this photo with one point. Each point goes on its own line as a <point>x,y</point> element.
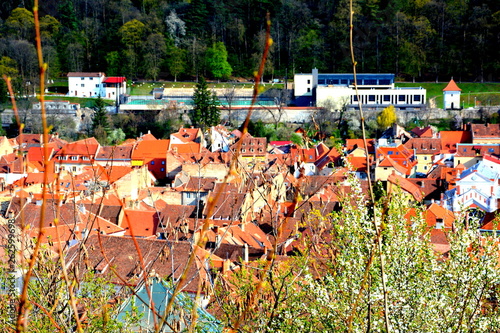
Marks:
<point>74,158</point>
<point>85,158</point>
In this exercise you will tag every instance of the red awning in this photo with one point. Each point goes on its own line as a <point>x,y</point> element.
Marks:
<point>115,79</point>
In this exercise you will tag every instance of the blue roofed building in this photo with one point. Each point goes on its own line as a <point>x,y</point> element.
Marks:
<point>375,91</point>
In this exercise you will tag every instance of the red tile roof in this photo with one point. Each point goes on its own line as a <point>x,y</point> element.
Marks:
<point>83,147</point>
<point>357,163</point>
<point>435,212</point>
<point>452,86</point>
<point>187,134</point>
<point>37,154</point>
<point>449,139</point>
<point>148,137</point>
<point>307,155</point>
<point>115,79</point>
<point>140,223</point>
<point>425,132</point>
<point>147,150</point>
<point>333,156</point>
<point>167,260</point>
<point>473,150</point>
<point>424,145</point>
<point>114,153</point>
<point>406,186</point>
<point>186,148</point>
<point>485,131</point>
<point>351,144</point>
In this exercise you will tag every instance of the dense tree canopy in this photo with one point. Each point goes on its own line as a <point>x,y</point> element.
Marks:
<point>417,39</point>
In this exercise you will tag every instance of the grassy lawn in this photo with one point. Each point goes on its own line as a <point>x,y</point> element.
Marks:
<point>483,93</point>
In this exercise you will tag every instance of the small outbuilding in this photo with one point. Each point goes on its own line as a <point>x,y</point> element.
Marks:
<point>451,96</point>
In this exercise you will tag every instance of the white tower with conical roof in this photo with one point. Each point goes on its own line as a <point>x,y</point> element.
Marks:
<point>451,96</point>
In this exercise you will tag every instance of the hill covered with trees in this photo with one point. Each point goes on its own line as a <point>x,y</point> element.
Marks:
<point>416,39</point>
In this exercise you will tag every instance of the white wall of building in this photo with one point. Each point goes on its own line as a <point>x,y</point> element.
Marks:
<point>451,99</point>
<point>340,96</point>
<point>303,84</point>
<point>87,85</point>
<point>112,92</point>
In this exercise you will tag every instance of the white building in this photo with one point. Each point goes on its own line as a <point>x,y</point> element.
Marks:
<point>477,187</point>
<point>338,90</point>
<point>85,84</point>
<point>451,96</point>
<point>94,84</point>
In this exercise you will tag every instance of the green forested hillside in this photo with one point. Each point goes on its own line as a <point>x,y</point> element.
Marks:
<point>416,39</point>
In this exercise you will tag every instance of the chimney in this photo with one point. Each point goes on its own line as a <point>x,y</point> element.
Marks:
<point>245,253</point>
<point>218,240</point>
<point>226,266</point>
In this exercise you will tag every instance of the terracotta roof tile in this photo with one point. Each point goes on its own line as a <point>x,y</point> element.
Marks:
<point>85,147</point>
<point>424,145</point>
<point>146,150</point>
<point>351,144</point>
<point>186,148</point>
<point>187,134</point>
<point>425,132</point>
<point>166,258</point>
<point>452,86</point>
<point>140,223</point>
<point>450,139</point>
<point>406,185</point>
<point>485,131</point>
<point>114,153</point>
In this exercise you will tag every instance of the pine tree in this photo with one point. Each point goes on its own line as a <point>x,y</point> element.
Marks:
<point>206,111</point>
<point>100,121</point>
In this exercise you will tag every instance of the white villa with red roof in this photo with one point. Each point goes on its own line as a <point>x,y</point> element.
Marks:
<point>94,84</point>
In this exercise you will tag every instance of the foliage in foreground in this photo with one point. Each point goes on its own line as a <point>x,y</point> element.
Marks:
<point>339,288</point>
<point>49,304</point>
